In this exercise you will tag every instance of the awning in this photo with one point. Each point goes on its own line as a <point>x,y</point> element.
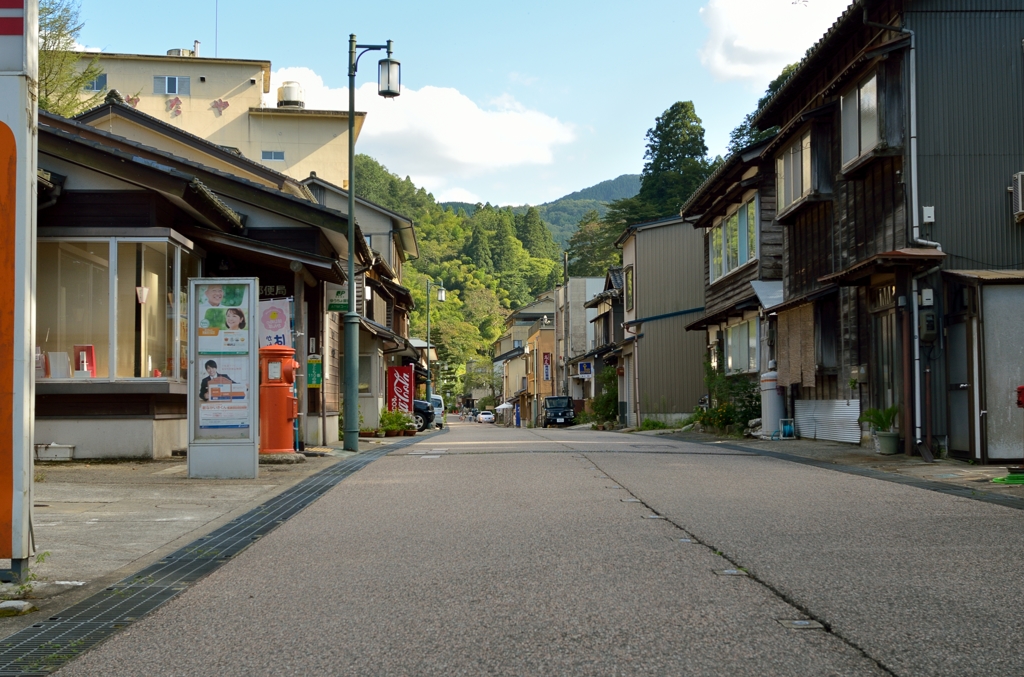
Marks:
<point>986,276</point>
<point>385,334</point>
<point>265,254</point>
<point>769,292</point>
<point>749,302</point>
<point>798,301</point>
<point>887,262</point>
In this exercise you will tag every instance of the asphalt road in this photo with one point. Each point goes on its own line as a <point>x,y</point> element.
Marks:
<point>534,552</point>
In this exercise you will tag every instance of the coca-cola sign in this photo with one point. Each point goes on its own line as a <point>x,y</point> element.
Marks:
<point>400,388</point>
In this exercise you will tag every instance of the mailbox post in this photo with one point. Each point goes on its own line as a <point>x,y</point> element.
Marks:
<point>278,407</point>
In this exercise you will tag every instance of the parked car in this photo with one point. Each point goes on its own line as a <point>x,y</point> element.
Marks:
<point>485,417</point>
<point>557,411</point>
<point>438,403</point>
<point>422,414</point>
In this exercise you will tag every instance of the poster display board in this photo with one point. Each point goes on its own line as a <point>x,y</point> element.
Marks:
<point>223,378</point>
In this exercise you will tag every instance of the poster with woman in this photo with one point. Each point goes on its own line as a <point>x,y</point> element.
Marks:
<point>222,316</point>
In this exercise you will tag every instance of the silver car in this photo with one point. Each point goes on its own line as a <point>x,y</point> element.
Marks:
<point>485,417</point>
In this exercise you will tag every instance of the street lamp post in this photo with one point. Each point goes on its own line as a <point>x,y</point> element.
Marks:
<point>389,85</point>
<point>441,296</point>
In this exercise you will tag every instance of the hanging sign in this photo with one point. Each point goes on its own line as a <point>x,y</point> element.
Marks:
<point>337,298</point>
<point>275,321</point>
<point>547,366</point>
<point>585,369</point>
<point>400,387</point>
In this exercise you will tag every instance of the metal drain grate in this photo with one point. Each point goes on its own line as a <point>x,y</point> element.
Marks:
<point>47,645</point>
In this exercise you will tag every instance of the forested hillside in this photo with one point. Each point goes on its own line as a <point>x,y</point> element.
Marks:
<point>490,261</point>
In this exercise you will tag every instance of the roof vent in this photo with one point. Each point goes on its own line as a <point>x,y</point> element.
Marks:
<point>289,95</point>
<point>180,52</point>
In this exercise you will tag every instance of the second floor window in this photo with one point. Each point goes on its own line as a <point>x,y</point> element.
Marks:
<point>793,171</point>
<point>517,343</point>
<point>171,84</point>
<point>628,284</point>
<point>97,85</point>
<point>860,119</point>
<point>733,242</point>
<point>278,156</point>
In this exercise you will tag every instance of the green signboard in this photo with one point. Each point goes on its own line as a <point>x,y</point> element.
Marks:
<point>314,371</point>
<point>337,298</point>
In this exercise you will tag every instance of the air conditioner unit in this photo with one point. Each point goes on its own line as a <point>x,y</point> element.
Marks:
<point>1018,196</point>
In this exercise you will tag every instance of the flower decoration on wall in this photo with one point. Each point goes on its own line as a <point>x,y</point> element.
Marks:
<point>174,106</point>
<point>132,101</point>
<point>219,105</point>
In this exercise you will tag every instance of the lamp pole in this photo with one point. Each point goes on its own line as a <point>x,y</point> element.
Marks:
<point>441,295</point>
<point>389,84</point>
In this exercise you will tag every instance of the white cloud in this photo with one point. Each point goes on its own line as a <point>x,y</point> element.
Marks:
<point>458,195</point>
<point>753,39</point>
<point>437,135</point>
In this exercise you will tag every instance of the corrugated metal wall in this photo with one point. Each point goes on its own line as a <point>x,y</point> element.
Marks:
<point>971,126</point>
<point>670,278</point>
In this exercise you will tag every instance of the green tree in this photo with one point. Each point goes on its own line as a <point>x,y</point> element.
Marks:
<point>592,247</point>
<point>535,236</point>
<point>745,134</point>
<point>61,77</point>
<point>676,164</point>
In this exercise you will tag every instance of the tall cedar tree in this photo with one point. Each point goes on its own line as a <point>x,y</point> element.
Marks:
<point>535,236</point>
<point>61,78</point>
<point>592,247</point>
<point>676,164</point>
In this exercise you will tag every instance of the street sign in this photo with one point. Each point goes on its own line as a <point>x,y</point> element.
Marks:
<point>19,49</point>
<point>314,371</point>
<point>337,298</point>
<point>585,369</point>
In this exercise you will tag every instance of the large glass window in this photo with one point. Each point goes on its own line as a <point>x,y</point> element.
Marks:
<point>741,347</point>
<point>733,242</point>
<point>135,290</point>
<point>793,171</point>
<point>365,373</point>
<point>860,119</point>
<point>73,310</point>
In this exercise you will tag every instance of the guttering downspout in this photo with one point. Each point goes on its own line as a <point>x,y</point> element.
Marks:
<point>915,213</point>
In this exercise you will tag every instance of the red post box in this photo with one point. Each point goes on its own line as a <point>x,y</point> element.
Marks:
<point>278,408</point>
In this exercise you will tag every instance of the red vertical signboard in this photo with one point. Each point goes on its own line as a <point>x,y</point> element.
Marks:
<point>400,388</point>
<point>547,366</point>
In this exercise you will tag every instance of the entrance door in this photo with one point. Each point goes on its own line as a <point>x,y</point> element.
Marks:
<point>1003,368</point>
<point>958,397</point>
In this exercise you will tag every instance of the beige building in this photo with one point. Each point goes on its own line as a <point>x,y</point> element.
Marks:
<point>222,101</point>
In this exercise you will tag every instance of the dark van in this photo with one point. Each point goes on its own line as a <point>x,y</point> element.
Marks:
<point>557,411</point>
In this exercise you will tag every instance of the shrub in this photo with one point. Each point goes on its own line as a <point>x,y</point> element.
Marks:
<point>882,420</point>
<point>606,405</point>
<point>652,424</point>
<point>394,420</point>
<point>735,400</point>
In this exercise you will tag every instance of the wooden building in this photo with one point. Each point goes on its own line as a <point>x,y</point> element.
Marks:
<point>899,136</point>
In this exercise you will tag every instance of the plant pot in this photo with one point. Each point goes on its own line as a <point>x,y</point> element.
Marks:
<point>888,443</point>
<point>367,433</point>
<point>392,433</point>
<point>408,433</point>
<point>381,433</point>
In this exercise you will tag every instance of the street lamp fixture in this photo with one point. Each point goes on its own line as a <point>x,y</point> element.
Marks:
<point>442,295</point>
<point>389,85</point>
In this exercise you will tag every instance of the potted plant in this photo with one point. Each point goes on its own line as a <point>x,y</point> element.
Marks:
<point>393,422</point>
<point>882,422</point>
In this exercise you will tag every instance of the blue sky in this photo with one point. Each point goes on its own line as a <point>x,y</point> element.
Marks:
<point>509,103</point>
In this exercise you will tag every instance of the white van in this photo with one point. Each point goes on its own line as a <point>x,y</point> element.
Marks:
<point>437,402</point>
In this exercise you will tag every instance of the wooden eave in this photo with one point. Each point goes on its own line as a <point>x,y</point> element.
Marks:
<point>181,189</point>
<point>860,273</point>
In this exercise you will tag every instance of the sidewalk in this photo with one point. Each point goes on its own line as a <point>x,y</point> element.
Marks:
<point>96,522</point>
<point>946,471</point>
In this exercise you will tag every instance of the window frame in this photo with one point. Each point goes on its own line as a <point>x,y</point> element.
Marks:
<point>752,347</point>
<point>628,291</point>
<point>95,86</point>
<point>804,139</point>
<point>272,153</point>
<point>179,246</point>
<point>178,81</point>
<point>856,123</point>
<point>718,244</point>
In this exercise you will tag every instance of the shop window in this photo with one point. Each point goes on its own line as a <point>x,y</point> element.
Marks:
<point>733,242</point>
<point>365,373</point>
<point>133,289</point>
<point>73,309</point>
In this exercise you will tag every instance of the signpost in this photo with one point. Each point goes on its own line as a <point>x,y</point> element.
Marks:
<point>223,378</point>
<point>19,38</point>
